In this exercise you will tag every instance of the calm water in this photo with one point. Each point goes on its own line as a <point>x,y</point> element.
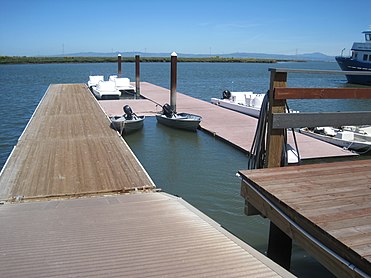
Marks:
<point>194,166</point>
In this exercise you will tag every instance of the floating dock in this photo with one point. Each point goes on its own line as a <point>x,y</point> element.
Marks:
<point>68,149</point>
<point>233,127</point>
<point>75,201</point>
<point>326,208</point>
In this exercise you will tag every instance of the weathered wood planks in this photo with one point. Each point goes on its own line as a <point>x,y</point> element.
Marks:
<point>322,93</point>
<point>68,148</point>
<point>332,202</point>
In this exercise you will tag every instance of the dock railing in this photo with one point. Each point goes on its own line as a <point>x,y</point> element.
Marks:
<point>280,244</point>
<point>279,120</point>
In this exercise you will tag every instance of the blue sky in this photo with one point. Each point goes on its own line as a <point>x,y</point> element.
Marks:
<point>41,27</point>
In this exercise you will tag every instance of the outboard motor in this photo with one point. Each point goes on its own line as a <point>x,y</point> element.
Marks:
<point>226,94</point>
<point>167,110</point>
<point>128,112</point>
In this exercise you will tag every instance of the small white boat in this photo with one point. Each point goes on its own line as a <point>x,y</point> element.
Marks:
<point>127,123</point>
<point>106,90</point>
<point>122,83</point>
<point>357,138</point>
<point>248,103</point>
<point>94,80</point>
<point>178,120</point>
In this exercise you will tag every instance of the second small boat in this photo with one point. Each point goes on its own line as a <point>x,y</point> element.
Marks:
<point>184,121</point>
<point>127,123</point>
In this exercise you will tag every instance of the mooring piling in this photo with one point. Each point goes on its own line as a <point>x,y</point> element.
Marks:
<point>137,75</point>
<point>119,65</point>
<point>173,77</point>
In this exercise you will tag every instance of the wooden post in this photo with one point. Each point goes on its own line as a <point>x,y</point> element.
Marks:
<point>250,209</point>
<point>275,136</point>
<point>280,244</point>
<point>173,77</point>
<point>119,65</point>
<point>137,75</point>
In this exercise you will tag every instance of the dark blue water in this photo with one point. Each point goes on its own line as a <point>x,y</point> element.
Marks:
<point>194,166</point>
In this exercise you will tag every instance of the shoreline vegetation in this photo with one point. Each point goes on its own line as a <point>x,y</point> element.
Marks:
<point>77,59</point>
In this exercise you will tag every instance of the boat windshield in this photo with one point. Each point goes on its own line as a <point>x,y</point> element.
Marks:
<point>367,36</point>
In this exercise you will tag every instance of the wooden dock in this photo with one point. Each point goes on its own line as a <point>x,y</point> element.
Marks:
<point>233,127</point>
<point>68,149</point>
<point>129,235</point>
<point>75,201</point>
<point>326,208</point>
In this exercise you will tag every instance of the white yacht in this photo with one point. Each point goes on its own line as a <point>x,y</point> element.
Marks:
<point>360,60</point>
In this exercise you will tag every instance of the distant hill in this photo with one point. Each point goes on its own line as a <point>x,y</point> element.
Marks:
<point>307,56</point>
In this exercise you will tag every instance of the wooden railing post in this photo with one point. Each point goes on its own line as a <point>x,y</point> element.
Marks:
<point>275,136</point>
<point>280,244</point>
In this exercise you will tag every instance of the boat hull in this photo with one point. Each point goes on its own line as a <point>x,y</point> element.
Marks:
<point>352,145</point>
<point>105,95</point>
<point>248,110</point>
<point>183,121</point>
<point>349,64</point>
<point>124,126</point>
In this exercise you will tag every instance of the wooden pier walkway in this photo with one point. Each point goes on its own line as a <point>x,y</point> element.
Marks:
<point>326,208</point>
<point>129,235</point>
<point>233,127</point>
<point>68,149</point>
<point>75,201</point>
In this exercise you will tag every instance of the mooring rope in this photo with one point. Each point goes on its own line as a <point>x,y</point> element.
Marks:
<point>258,152</point>
<point>257,155</point>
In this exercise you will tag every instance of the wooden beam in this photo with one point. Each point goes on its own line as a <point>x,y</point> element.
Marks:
<point>311,71</point>
<point>250,209</point>
<point>322,93</point>
<point>314,119</point>
<point>275,137</point>
<point>280,245</point>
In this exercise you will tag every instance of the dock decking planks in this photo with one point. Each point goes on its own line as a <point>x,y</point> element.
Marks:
<point>233,127</point>
<point>129,235</point>
<point>68,148</point>
<point>331,201</point>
